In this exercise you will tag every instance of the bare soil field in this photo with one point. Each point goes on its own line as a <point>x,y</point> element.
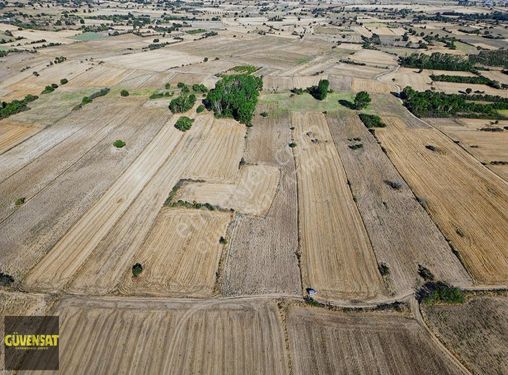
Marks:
<point>358,71</point>
<point>181,254</point>
<point>206,337</point>
<point>261,257</point>
<point>158,60</point>
<point>474,331</point>
<point>371,86</point>
<point>389,213</point>
<point>32,229</point>
<point>325,342</point>
<point>278,83</point>
<point>455,88</point>
<point>373,57</point>
<point>218,156</point>
<point>489,147</point>
<point>252,194</point>
<point>467,201</point>
<point>337,257</point>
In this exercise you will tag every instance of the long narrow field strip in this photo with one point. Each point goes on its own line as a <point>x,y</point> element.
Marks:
<point>125,335</point>
<point>335,343</point>
<point>337,258</point>
<point>73,249</point>
<point>180,255</point>
<point>12,133</point>
<point>252,194</point>
<point>371,86</point>
<point>390,213</point>
<point>218,156</point>
<point>466,200</point>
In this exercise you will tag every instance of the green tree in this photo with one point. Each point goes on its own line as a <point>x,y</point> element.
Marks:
<point>321,90</point>
<point>362,100</point>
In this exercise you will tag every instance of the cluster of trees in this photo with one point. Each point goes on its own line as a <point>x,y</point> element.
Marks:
<point>199,88</point>
<point>491,58</point>
<point>463,79</point>
<point>320,91</point>
<point>362,100</point>
<point>49,88</point>
<point>90,98</point>
<point>9,108</point>
<point>437,104</point>
<point>184,123</point>
<point>182,103</point>
<point>235,96</point>
<point>439,292</point>
<point>441,61</point>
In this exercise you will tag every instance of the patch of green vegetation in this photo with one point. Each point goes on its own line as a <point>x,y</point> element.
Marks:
<point>264,114</point>
<point>384,270</point>
<point>20,201</point>
<point>244,69</point>
<point>292,144</point>
<point>199,88</point>
<point>440,61</point>
<point>371,121</point>
<point>200,108</point>
<point>439,292</point>
<point>362,100</point>
<point>119,143</point>
<point>184,123</point>
<point>303,60</point>
<point>320,91</point>
<point>195,31</point>
<point>223,241</point>
<point>305,102</point>
<point>235,96</point>
<point>6,279</point>
<point>464,79</point>
<point>10,108</point>
<point>182,103</point>
<point>124,93</point>
<point>491,58</point>
<point>88,99</point>
<point>89,36</point>
<point>49,88</point>
<point>63,81</point>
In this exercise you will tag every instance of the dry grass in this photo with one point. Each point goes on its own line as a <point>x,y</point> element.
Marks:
<point>12,133</point>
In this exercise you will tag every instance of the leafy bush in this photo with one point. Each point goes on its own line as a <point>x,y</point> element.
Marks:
<point>384,270</point>
<point>244,69</point>
<point>124,93</point>
<point>461,79</point>
<point>184,123</point>
<point>425,273</point>
<point>137,269</point>
<point>199,88</point>
<point>167,86</point>
<point>321,90</point>
<point>119,143</point>
<point>292,145</point>
<point>20,201</point>
<point>235,96</point>
<point>16,106</point>
<point>200,108</point>
<point>362,100</point>
<point>264,114</point>
<point>48,89</point>
<point>439,292</point>
<point>371,121</point>
<point>182,103</point>
<point>63,81</point>
<point>5,279</point>
<point>491,58</point>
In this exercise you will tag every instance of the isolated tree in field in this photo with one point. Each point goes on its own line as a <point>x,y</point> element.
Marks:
<point>321,90</point>
<point>137,269</point>
<point>124,93</point>
<point>362,100</point>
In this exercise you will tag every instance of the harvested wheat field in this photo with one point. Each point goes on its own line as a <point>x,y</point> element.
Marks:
<point>252,194</point>
<point>486,141</point>
<point>218,156</point>
<point>261,257</point>
<point>180,255</point>
<point>76,246</point>
<point>12,133</point>
<point>337,258</point>
<point>373,57</point>
<point>279,83</point>
<point>467,201</point>
<point>390,211</point>
<point>125,336</point>
<point>371,85</point>
<point>337,343</point>
<point>474,331</point>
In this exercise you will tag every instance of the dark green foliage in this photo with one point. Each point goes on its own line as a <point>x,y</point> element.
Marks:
<point>20,201</point>
<point>137,269</point>
<point>124,93</point>
<point>439,292</point>
<point>181,85</point>
<point>292,145</point>
<point>235,96</point>
<point>384,270</point>
<point>199,88</point>
<point>321,90</point>
<point>244,69</point>
<point>362,100</point>
<point>461,79</point>
<point>371,121</point>
<point>437,60</point>
<point>491,58</point>
<point>223,241</point>
<point>355,146</point>
<point>5,279</point>
<point>437,104</point>
<point>184,123</point>
<point>86,100</point>
<point>393,184</point>
<point>119,143</point>
<point>167,86</point>
<point>63,81</point>
<point>264,114</point>
<point>9,108</point>
<point>182,103</point>
<point>48,89</point>
<point>200,108</point>
<point>297,91</point>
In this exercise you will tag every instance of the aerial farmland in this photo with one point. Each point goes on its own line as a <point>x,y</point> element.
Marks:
<point>259,188</point>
